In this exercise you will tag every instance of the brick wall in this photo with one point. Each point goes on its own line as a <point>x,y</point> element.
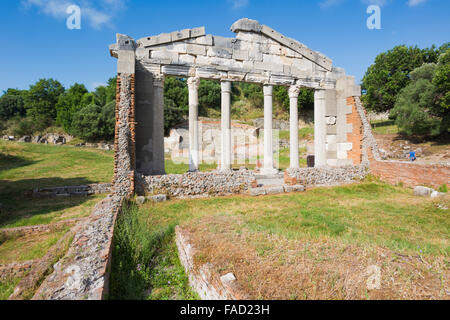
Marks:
<point>356,136</point>
<point>409,173</point>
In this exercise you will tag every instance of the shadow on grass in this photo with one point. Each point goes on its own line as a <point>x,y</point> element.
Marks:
<point>17,202</point>
<point>8,162</point>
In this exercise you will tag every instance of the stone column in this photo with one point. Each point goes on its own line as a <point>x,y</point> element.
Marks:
<point>158,125</point>
<point>268,132</point>
<point>320,129</point>
<point>294,91</point>
<point>194,150</point>
<point>225,164</point>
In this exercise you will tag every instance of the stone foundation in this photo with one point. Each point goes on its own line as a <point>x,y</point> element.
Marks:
<point>197,184</point>
<point>69,191</point>
<point>325,175</point>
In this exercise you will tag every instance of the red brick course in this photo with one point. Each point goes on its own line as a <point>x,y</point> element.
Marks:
<point>356,136</point>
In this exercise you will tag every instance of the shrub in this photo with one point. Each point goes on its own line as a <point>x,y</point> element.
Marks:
<point>87,123</point>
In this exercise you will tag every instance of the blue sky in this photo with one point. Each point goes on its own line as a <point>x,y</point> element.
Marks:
<point>37,43</point>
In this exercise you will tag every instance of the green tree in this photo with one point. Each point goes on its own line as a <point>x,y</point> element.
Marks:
<point>442,81</point>
<point>12,104</point>
<point>389,74</point>
<point>172,115</point>
<point>87,123</point>
<point>105,94</point>
<point>108,120</point>
<point>415,108</point>
<point>209,96</point>
<point>69,103</point>
<point>42,98</point>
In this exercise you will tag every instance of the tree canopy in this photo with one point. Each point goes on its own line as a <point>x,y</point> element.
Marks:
<point>390,73</point>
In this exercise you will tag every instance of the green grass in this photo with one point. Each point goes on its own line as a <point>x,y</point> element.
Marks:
<point>303,133</point>
<point>145,262</point>
<point>28,247</point>
<point>26,166</point>
<point>284,159</point>
<point>369,214</point>
<point>7,288</point>
<point>384,127</point>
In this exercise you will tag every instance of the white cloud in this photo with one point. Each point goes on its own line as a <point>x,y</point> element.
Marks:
<point>236,4</point>
<point>96,13</point>
<point>413,3</point>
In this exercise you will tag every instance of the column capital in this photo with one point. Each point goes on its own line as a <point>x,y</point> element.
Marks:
<point>158,80</point>
<point>268,89</point>
<point>193,83</point>
<point>294,91</point>
<point>319,94</point>
<point>225,85</point>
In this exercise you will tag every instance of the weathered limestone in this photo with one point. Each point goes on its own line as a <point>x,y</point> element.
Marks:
<point>294,91</point>
<point>193,83</point>
<point>225,164</point>
<point>268,131</point>
<point>320,158</point>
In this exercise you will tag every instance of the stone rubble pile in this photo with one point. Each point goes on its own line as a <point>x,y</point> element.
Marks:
<point>197,183</point>
<point>57,139</point>
<point>327,176</point>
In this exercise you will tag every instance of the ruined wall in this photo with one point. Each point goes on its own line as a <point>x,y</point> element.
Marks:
<point>207,284</point>
<point>197,183</point>
<point>125,141</point>
<point>325,175</point>
<point>409,173</point>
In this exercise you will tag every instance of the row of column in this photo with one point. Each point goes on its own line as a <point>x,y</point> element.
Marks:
<point>226,155</point>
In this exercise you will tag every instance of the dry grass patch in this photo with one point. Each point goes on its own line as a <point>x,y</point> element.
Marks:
<point>269,266</point>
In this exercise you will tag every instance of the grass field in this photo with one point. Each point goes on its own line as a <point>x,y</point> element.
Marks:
<point>326,232</point>
<point>361,219</point>
<point>384,127</point>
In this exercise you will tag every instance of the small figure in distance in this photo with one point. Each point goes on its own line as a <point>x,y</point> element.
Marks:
<point>412,155</point>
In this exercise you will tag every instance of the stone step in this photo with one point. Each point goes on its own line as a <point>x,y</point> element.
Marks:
<point>270,176</point>
<point>270,182</point>
<point>270,190</point>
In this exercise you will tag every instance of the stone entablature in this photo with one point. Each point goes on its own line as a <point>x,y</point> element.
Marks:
<point>258,54</point>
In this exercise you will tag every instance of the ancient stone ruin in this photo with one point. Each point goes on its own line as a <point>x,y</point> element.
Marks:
<point>259,55</point>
